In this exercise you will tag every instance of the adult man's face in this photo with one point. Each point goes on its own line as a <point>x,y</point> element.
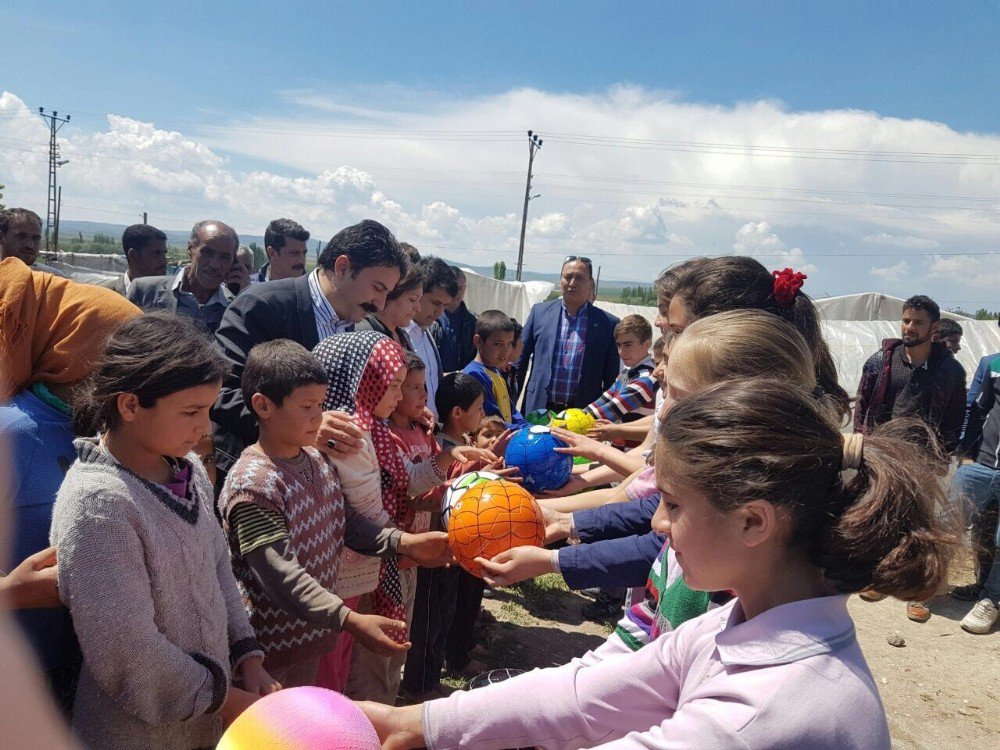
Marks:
<point>432,306</point>
<point>23,240</point>
<point>360,292</point>
<point>212,255</point>
<point>576,282</point>
<point>150,261</point>
<point>289,261</point>
<point>457,300</point>
<point>917,327</point>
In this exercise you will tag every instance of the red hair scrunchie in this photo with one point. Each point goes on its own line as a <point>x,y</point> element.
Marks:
<point>787,284</point>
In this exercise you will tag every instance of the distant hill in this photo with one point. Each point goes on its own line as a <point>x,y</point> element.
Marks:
<point>179,237</point>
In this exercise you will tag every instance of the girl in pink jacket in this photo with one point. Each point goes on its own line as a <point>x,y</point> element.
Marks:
<point>754,499</point>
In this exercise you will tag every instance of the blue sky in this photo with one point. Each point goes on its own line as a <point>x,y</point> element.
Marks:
<point>327,112</point>
<point>906,59</point>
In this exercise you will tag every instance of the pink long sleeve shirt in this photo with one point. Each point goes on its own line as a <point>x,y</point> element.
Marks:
<point>792,677</point>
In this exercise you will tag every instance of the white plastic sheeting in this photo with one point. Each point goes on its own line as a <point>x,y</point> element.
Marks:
<point>512,297</point>
<point>869,306</point>
<point>855,325</point>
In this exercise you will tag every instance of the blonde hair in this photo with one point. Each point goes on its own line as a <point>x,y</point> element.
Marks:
<point>742,344</point>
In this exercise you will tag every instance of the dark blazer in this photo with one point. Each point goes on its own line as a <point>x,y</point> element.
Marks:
<point>117,284</point>
<point>372,323</point>
<point>263,312</point>
<point>156,293</point>
<point>601,363</point>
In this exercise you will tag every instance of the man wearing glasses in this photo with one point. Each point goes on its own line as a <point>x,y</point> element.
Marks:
<point>570,344</point>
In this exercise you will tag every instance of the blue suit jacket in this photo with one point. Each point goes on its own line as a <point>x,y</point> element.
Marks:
<point>600,360</point>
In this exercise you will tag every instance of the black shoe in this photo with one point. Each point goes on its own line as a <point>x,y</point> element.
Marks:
<point>601,612</point>
<point>967,593</point>
<point>592,593</point>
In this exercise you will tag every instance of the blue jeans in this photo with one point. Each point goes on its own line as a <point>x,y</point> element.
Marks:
<point>980,486</point>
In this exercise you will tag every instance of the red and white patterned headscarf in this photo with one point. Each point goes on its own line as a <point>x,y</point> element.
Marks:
<point>361,365</point>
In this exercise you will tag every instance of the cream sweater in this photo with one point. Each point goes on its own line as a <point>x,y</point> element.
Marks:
<point>147,578</point>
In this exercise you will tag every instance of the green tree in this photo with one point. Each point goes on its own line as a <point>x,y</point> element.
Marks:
<point>983,314</point>
<point>500,271</point>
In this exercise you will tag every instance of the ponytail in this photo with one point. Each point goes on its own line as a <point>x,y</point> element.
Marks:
<point>741,441</point>
<point>890,535</point>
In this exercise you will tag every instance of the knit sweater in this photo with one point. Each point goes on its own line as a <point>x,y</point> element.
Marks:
<point>313,512</point>
<point>361,481</point>
<point>147,578</point>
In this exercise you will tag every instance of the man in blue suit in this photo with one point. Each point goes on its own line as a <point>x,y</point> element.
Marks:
<point>570,345</point>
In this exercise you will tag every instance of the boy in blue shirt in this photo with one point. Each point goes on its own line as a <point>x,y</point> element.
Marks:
<point>494,339</point>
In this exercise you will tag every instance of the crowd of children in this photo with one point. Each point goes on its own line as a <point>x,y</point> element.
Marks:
<point>739,514</point>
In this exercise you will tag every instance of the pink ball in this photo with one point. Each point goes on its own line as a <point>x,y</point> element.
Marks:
<point>302,718</point>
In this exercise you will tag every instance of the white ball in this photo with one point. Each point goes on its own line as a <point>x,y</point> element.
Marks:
<point>459,487</point>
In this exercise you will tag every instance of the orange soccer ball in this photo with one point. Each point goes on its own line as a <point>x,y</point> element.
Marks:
<point>490,518</point>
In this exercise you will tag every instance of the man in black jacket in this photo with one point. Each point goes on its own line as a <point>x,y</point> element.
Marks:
<point>454,330</point>
<point>914,376</point>
<point>358,268</point>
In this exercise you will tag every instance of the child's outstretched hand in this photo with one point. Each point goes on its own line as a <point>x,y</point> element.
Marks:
<point>33,583</point>
<point>604,430</point>
<point>515,565</point>
<point>375,632</point>
<point>499,444</point>
<point>398,728</point>
<point>580,445</point>
<point>466,454</point>
<point>428,550</point>
<point>237,701</point>
<point>255,679</point>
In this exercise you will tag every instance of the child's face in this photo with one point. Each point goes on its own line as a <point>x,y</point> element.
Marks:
<point>660,371</point>
<point>705,540</point>
<point>495,350</point>
<point>631,350</point>
<point>467,420</point>
<point>296,421</point>
<point>392,396</point>
<point>206,452</point>
<point>515,350</point>
<point>175,424</point>
<point>413,396</point>
<point>486,436</point>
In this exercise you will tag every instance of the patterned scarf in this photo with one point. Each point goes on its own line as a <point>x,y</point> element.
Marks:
<point>361,366</point>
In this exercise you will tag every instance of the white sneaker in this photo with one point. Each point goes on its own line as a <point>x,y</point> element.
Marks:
<point>981,618</point>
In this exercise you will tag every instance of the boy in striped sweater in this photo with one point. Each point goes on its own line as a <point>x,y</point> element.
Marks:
<point>634,392</point>
<point>285,517</point>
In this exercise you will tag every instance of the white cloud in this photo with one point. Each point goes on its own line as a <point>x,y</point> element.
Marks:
<point>655,179</point>
<point>759,240</point>
<point>967,271</point>
<point>896,272</point>
<point>908,241</point>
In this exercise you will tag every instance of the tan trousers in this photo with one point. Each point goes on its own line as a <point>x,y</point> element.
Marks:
<point>300,674</point>
<point>373,677</point>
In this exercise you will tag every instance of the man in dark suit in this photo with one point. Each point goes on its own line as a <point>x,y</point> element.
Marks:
<point>358,268</point>
<point>198,290</point>
<point>145,249</point>
<point>570,345</point>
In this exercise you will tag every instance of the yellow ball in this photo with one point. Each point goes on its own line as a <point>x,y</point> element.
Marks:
<point>574,420</point>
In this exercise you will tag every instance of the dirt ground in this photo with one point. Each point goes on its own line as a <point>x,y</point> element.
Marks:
<point>941,690</point>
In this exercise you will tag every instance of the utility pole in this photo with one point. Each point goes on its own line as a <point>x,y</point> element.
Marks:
<point>55,237</point>
<point>145,217</point>
<point>534,143</point>
<point>597,285</point>
<point>55,123</point>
